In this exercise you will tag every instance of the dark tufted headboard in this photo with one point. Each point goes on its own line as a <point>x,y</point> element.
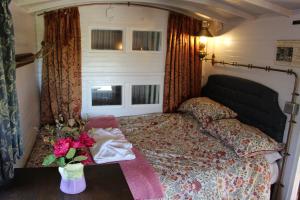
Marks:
<point>256,104</point>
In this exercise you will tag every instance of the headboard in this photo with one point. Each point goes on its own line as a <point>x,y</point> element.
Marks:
<point>255,104</point>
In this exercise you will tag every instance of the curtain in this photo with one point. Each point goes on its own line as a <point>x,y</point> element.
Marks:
<point>10,139</point>
<point>107,39</point>
<point>146,40</point>
<point>61,74</point>
<point>145,94</point>
<point>183,67</point>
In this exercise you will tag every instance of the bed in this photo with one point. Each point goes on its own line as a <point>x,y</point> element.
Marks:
<point>191,163</point>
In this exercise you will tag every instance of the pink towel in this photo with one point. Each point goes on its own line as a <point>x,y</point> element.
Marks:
<point>141,178</point>
<point>105,121</point>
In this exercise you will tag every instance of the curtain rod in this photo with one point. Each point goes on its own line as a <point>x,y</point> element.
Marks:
<point>129,4</point>
<point>292,115</point>
<point>266,68</point>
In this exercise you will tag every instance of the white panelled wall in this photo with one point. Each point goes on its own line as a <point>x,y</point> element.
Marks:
<point>124,67</point>
<point>255,42</point>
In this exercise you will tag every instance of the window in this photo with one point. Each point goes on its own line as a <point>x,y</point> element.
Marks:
<point>146,41</point>
<point>107,95</point>
<point>107,40</point>
<point>145,94</point>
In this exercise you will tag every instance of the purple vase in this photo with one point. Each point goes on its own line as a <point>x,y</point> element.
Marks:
<point>72,178</point>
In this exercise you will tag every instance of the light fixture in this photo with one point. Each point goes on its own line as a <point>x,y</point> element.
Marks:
<point>203,33</point>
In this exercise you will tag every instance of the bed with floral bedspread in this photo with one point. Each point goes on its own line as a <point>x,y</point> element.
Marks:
<point>192,164</point>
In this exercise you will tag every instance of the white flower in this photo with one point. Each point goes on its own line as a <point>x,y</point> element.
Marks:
<point>71,122</point>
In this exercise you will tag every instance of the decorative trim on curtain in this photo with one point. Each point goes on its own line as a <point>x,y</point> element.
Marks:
<point>183,67</point>
<point>11,147</point>
<point>61,75</point>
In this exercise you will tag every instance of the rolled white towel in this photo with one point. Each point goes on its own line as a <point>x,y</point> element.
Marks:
<point>111,146</point>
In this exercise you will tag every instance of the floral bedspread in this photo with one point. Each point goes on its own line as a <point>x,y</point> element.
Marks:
<point>192,164</point>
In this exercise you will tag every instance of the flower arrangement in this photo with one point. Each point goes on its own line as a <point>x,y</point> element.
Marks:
<point>70,143</point>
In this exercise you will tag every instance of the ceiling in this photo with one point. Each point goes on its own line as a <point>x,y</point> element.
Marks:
<point>216,10</point>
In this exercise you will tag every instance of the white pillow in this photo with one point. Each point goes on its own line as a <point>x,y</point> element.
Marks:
<point>273,157</point>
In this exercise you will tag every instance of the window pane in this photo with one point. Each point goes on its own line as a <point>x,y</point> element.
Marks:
<point>107,39</point>
<point>145,94</point>
<point>107,95</point>
<point>146,40</point>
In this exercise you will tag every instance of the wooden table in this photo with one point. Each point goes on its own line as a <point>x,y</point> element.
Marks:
<point>103,182</point>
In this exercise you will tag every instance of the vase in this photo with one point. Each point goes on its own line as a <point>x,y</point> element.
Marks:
<point>72,178</point>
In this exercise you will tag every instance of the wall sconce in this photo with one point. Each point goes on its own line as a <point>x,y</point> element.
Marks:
<point>203,34</point>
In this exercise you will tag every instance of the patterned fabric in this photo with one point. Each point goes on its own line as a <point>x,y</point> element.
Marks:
<point>244,139</point>
<point>206,110</point>
<point>61,76</point>
<point>40,150</point>
<point>192,164</point>
<point>10,139</point>
<point>183,67</point>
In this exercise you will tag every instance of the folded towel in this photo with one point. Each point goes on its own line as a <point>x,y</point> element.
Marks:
<point>105,121</point>
<point>111,145</point>
<point>138,172</point>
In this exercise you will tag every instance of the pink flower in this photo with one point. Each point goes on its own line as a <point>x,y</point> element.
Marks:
<point>62,146</point>
<point>86,140</point>
<point>238,182</point>
<point>89,159</point>
<point>77,144</point>
<point>196,186</point>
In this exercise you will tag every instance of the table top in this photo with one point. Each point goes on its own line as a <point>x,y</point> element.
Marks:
<point>103,182</point>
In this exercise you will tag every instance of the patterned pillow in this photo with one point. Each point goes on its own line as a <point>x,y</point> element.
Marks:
<point>206,110</point>
<point>245,140</point>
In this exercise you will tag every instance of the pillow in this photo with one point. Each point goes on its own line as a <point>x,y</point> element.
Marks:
<point>245,140</point>
<point>206,110</point>
<point>272,157</point>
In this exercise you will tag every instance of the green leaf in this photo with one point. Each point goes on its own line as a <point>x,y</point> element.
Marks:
<point>71,153</point>
<point>61,162</point>
<point>74,130</point>
<point>80,158</point>
<point>48,160</point>
<point>65,128</point>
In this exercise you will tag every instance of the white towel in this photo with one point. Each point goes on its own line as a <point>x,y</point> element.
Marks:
<point>111,146</point>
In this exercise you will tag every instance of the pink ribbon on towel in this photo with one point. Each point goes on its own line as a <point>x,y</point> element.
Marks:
<point>141,178</point>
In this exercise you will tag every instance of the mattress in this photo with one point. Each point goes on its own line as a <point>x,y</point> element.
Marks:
<point>194,165</point>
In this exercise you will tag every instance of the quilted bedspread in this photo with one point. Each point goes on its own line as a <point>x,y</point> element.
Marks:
<point>192,164</point>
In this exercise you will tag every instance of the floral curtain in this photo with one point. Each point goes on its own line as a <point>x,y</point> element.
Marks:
<point>61,74</point>
<point>10,139</point>
<point>183,67</point>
